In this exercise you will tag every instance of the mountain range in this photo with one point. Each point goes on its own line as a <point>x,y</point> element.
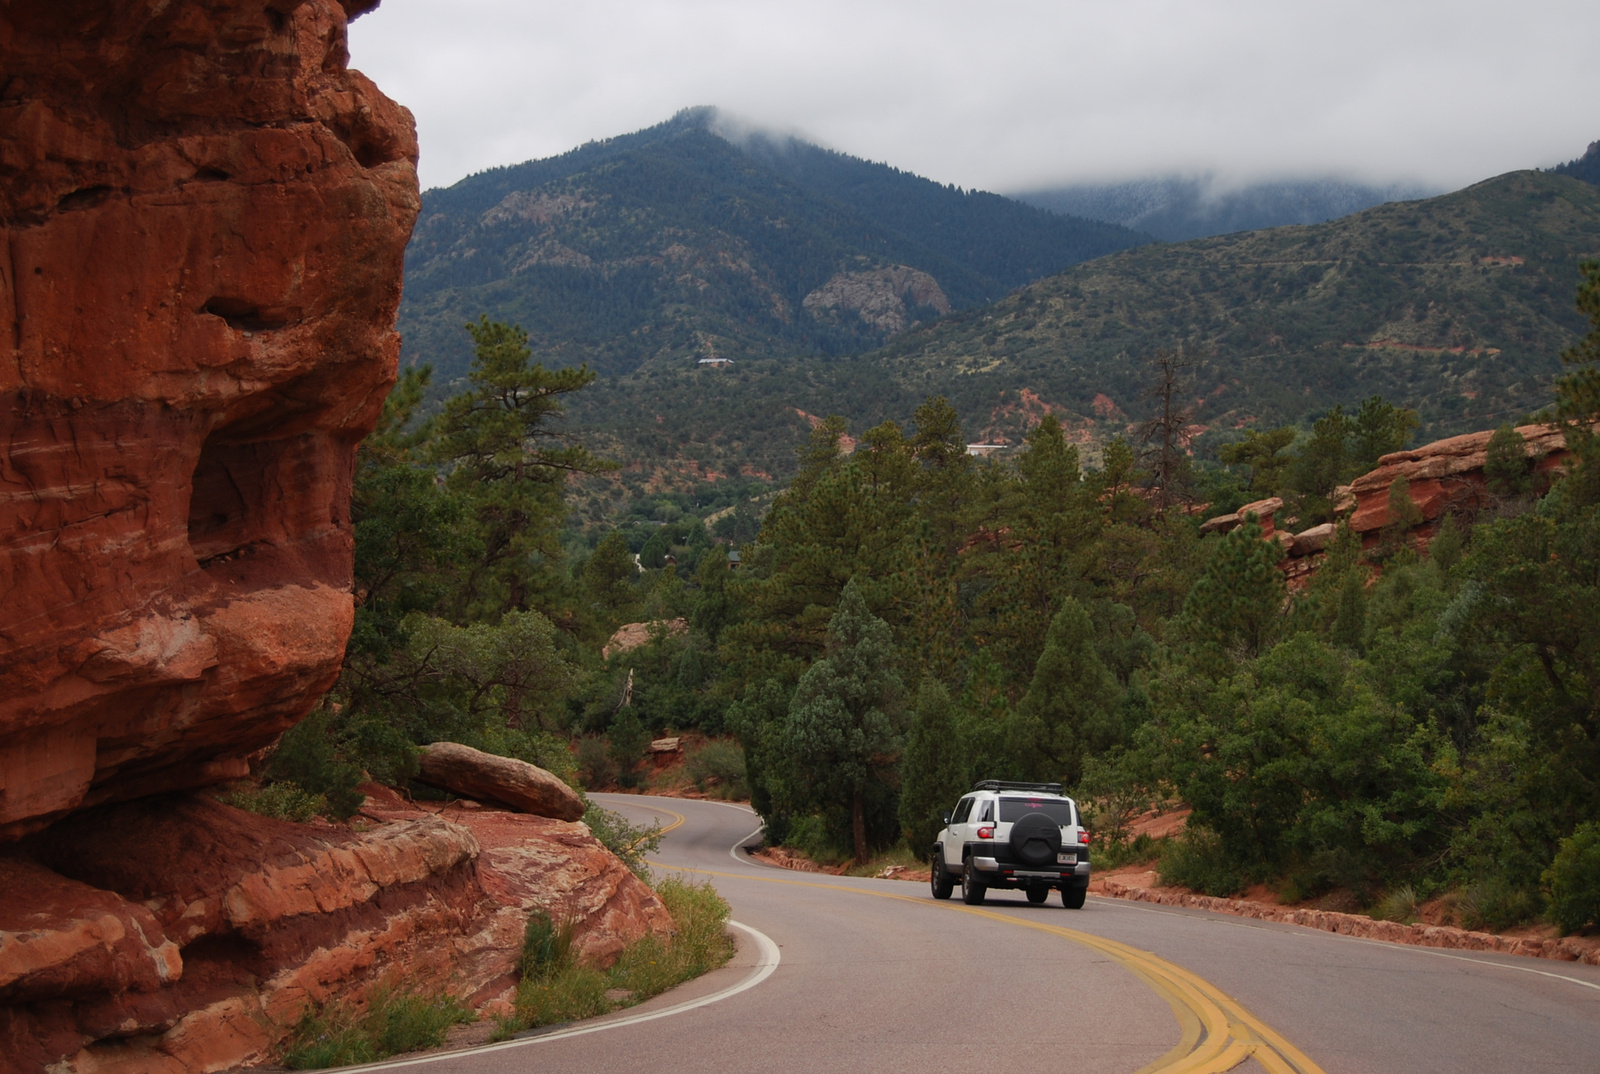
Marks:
<point>691,240</point>
<point>838,285</point>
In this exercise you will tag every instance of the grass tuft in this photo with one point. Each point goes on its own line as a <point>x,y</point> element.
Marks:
<point>560,989</point>
<point>395,1021</point>
<point>1398,905</point>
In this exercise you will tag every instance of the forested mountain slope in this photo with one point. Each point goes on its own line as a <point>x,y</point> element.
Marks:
<point>676,243</point>
<point>1458,306</point>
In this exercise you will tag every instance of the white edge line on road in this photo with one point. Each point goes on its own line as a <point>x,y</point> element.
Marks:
<point>733,851</point>
<point>763,969</point>
<point>1307,932</point>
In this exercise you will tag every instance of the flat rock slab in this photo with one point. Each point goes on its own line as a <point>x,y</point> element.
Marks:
<point>524,787</point>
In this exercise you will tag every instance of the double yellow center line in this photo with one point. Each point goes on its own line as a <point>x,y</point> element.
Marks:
<point>1217,1032</point>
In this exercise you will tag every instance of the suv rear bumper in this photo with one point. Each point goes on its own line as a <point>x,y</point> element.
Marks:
<point>1003,874</point>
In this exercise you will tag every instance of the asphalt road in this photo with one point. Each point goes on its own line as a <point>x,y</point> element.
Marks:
<point>875,975</point>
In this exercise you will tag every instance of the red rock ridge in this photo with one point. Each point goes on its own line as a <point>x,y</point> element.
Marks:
<point>1445,476</point>
<point>176,934</point>
<point>204,216</point>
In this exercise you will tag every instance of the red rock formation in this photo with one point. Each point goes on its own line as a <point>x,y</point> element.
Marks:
<point>178,934</point>
<point>1445,476</point>
<point>524,787</point>
<point>204,216</point>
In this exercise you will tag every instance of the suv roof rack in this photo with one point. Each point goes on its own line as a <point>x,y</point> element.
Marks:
<point>1005,785</point>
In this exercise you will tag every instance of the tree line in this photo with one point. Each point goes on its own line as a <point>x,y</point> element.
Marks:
<point>909,618</point>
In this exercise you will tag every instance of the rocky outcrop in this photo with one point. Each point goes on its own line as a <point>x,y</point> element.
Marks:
<point>1263,511</point>
<point>1445,477</point>
<point>179,934</point>
<point>884,298</point>
<point>632,635</point>
<point>204,214</point>
<point>524,787</point>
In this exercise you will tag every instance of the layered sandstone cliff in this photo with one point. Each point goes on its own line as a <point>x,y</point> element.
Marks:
<point>204,214</point>
<point>177,935</point>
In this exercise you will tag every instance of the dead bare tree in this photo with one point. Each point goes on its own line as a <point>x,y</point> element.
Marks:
<point>1165,435</point>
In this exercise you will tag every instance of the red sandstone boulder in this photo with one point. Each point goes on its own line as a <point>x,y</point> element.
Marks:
<point>1315,539</point>
<point>524,787</point>
<point>205,212</point>
<point>633,635</point>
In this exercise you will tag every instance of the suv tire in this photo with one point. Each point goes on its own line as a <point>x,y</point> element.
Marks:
<point>972,889</point>
<point>1035,839</point>
<point>1072,898</point>
<point>1037,894</point>
<point>939,877</point>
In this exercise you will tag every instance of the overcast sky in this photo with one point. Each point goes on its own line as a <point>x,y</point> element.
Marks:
<point>1013,95</point>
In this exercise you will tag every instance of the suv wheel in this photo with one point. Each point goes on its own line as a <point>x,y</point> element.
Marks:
<point>1072,898</point>
<point>939,877</point>
<point>1037,894</point>
<point>972,889</point>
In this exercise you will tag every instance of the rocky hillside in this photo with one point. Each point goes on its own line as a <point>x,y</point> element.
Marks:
<point>1458,306</point>
<point>690,241</point>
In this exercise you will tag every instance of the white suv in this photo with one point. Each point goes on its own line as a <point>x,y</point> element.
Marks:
<point>1013,835</point>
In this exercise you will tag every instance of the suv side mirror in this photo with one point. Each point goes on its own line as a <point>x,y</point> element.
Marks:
<point>947,820</point>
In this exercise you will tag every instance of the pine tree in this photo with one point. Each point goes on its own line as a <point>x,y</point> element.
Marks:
<point>1069,711</point>
<point>1505,464</point>
<point>1236,604</point>
<point>933,771</point>
<point>608,580</point>
<point>509,464</point>
<point>843,730</point>
<point>1402,514</point>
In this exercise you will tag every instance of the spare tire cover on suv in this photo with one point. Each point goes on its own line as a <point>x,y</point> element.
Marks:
<point>1035,839</point>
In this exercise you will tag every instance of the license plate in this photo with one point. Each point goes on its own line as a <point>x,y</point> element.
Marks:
<point>1066,859</point>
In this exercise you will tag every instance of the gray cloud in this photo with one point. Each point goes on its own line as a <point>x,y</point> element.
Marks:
<point>1014,94</point>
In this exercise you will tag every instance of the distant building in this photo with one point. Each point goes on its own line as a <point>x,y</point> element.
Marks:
<point>983,451</point>
<point>733,561</point>
<point>715,361</point>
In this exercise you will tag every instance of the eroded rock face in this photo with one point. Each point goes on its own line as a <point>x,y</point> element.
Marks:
<point>884,297</point>
<point>205,213</point>
<point>1446,476</point>
<point>178,934</point>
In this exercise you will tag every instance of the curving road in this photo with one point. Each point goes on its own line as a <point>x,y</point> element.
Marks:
<point>874,975</point>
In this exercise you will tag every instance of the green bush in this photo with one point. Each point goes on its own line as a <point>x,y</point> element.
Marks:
<point>1574,880</point>
<point>395,1021</point>
<point>1495,903</point>
<point>627,841</point>
<point>1115,853</point>
<point>594,767</point>
<point>717,768</point>
<point>281,801</point>
<point>546,947</point>
<point>307,758</point>
<point>1198,860</point>
<point>629,739</point>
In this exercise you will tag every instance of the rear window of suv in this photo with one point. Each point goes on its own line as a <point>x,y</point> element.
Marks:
<point>1014,809</point>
